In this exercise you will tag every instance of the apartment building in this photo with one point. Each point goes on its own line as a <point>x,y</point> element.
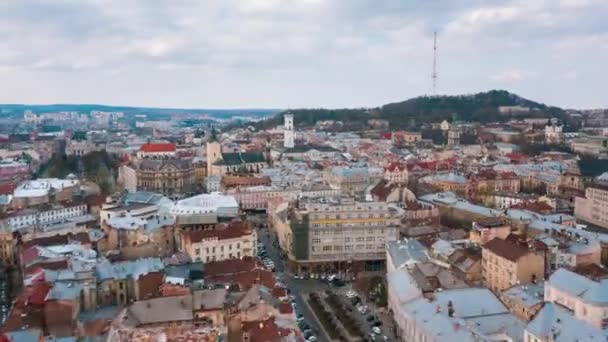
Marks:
<point>226,241</point>
<point>593,208</point>
<point>44,214</point>
<point>342,235</point>
<point>505,264</point>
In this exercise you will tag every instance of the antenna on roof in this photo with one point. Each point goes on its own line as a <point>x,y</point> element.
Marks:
<point>434,74</point>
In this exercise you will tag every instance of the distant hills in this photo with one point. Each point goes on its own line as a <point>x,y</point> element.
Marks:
<point>18,109</point>
<point>412,113</point>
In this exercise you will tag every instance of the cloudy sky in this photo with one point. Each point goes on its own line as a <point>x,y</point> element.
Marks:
<point>299,53</point>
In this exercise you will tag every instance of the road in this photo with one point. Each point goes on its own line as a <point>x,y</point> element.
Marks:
<point>386,327</point>
<point>296,287</point>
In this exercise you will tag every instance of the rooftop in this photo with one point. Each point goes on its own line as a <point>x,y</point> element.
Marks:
<point>506,249</point>
<point>556,323</point>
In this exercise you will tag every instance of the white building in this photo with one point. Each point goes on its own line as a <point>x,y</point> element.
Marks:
<point>33,217</point>
<point>553,133</point>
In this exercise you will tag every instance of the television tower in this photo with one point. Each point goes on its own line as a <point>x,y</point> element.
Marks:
<point>434,74</point>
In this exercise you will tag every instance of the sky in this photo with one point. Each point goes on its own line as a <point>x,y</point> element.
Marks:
<point>299,53</point>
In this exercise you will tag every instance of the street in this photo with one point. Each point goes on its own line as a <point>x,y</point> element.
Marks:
<point>299,287</point>
<point>296,287</point>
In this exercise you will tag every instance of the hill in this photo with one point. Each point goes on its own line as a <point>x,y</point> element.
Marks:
<point>412,113</point>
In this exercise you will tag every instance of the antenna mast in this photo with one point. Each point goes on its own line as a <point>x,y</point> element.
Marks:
<point>434,74</point>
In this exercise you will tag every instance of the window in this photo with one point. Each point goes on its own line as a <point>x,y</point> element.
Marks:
<point>238,245</point>
<point>230,247</point>
<point>197,251</point>
<point>316,240</point>
<point>221,248</point>
<point>326,248</point>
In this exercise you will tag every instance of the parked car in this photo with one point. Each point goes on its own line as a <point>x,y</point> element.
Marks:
<point>376,330</point>
<point>351,294</point>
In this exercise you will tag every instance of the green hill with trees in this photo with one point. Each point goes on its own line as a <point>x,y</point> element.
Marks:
<point>413,113</point>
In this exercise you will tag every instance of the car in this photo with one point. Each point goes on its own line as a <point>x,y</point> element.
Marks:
<point>385,338</point>
<point>362,309</point>
<point>372,336</point>
<point>337,283</point>
<point>292,298</point>
<point>312,338</point>
<point>280,284</point>
<point>298,276</point>
<point>351,294</point>
<point>332,277</point>
<point>355,301</point>
<point>376,330</point>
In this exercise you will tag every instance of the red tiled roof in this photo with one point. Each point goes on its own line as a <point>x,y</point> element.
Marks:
<point>232,181</point>
<point>264,331</point>
<point>230,266</point>
<point>395,166</point>
<point>7,188</point>
<point>246,279</point>
<point>285,308</point>
<point>505,249</point>
<point>221,232</point>
<point>157,147</point>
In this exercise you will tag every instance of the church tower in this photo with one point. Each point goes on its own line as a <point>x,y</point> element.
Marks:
<point>214,153</point>
<point>289,135</point>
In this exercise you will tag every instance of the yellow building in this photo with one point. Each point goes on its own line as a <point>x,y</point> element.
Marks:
<point>505,264</point>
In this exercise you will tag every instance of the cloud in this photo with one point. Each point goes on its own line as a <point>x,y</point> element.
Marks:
<point>509,76</point>
<point>292,52</point>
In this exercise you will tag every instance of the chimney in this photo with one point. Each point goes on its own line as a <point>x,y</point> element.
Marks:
<point>450,309</point>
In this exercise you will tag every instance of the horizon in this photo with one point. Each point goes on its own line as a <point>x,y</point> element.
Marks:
<point>300,54</point>
<point>277,108</point>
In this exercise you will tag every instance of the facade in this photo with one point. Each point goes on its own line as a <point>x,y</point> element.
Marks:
<point>505,264</point>
<point>454,136</point>
<point>553,133</point>
<point>80,148</point>
<point>44,215</point>
<point>219,163</point>
<point>7,247</point>
<point>351,179</point>
<point>289,133</point>
<point>310,152</point>
<point>396,173</point>
<point>147,235</point>
<point>404,138</point>
<point>166,176</point>
<point>342,235</point>
<point>227,241</point>
<point>585,297</point>
<point>43,190</point>
<point>593,208</point>
<point>13,171</point>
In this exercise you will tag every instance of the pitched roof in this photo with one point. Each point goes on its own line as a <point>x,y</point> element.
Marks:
<point>157,147</point>
<point>383,189</point>
<point>221,232</point>
<point>230,266</point>
<point>239,158</point>
<point>262,331</point>
<point>505,249</point>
